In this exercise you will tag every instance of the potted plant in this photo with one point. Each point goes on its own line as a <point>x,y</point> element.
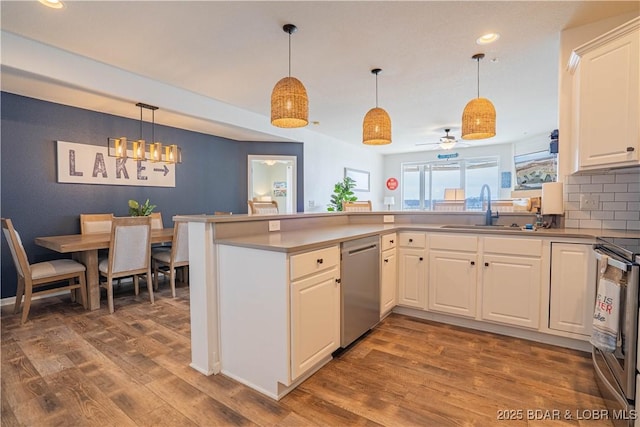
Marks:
<point>136,209</point>
<point>342,191</point>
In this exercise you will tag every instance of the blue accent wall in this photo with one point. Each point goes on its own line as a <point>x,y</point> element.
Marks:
<point>212,175</point>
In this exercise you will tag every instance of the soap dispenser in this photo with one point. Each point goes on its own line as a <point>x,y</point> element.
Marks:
<point>539,221</point>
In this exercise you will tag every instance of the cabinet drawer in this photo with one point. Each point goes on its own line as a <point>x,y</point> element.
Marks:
<point>503,245</point>
<point>314,261</point>
<point>453,242</point>
<point>388,241</point>
<point>413,240</point>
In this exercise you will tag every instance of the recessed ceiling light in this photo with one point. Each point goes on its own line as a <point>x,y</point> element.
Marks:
<point>488,38</point>
<point>54,4</point>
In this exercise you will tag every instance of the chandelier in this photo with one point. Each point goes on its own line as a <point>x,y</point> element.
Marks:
<point>136,149</point>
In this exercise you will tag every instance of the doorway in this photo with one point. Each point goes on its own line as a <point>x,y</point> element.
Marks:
<point>273,178</point>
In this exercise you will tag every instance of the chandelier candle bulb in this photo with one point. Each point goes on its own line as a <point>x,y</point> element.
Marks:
<point>139,150</point>
<point>121,147</point>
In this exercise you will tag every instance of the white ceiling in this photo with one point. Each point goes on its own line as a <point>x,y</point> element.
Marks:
<point>235,51</point>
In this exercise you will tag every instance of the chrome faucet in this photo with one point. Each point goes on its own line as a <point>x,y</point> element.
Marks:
<point>488,218</point>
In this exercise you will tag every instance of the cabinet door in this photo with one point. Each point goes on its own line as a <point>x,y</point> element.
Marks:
<point>452,282</point>
<point>412,278</point>
<point>388,281</point>
<point>511,290</point>
<point>315,320</point>
<point>573,284</point>
<point>607,112</point>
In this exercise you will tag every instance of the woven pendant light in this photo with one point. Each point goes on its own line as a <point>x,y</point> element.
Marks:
<point>479,115</point>
<point>376,127</point>
<point>289,102</point>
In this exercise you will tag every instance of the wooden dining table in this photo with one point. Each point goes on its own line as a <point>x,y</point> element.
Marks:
<point>84,248</point>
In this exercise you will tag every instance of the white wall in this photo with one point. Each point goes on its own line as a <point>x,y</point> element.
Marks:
<point>324,162</point>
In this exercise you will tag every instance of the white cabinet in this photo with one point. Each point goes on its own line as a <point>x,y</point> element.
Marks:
<point>315,319</point>
<point>412,270</point>
<point>605,97</point>
<point>279,314</point>
<point>511,281</point>
<point>388,273</point>
<point>452,274</point>
<point>315,308</point>
<point>572,289</point>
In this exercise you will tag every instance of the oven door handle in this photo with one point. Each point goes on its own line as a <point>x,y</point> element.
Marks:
<point>614,262</point>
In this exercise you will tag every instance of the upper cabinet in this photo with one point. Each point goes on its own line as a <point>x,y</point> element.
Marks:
<point>605,126</point>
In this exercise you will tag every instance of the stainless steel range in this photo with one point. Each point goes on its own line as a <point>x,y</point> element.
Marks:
<point>617,371</point>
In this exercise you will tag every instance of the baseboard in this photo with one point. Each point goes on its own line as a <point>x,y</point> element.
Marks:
<point>12,300</point>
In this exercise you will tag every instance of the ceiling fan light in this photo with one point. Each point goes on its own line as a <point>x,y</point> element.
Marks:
<point>447,145</point>
<point>479,119</point>
<point>376,127</point>
<point>289,104</point>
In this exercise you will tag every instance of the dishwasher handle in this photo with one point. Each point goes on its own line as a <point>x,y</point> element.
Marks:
<point>362,249</point>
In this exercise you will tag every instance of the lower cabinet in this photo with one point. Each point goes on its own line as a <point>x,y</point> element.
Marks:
<point>511,281</point>
<point>453,274</point>
<point>315,319</point>
<point>388,281</point>
<point>572,288</point>
<point>412,270</point>
<point>279,314</point>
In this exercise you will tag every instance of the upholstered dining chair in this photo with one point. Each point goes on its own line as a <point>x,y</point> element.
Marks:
<point>167,260</point>
<point>263,208</point>
<point>156,221</point>
<point>357,206</point>
<point>95,223</point>
<point>32,277</point>
<point>129,254</point>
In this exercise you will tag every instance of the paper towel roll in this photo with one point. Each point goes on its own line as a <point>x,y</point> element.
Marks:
<point>552,200</point>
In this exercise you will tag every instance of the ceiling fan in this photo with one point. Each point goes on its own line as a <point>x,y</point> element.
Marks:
<point>447,142</point>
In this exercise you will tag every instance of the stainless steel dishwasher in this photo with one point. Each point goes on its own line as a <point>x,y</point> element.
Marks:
<point>360,275</point>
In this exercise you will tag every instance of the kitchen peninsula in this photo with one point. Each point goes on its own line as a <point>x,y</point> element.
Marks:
<point>247,285</point>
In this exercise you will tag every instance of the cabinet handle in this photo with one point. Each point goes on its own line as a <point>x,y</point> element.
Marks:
<point>386,260</point>
<point>421,258</point>
<point>486,264</point>
<point>319,261</point>
<point>390,241</point>
<point>410,240</point>
<point>473,263</point>
<point>338,280</point>
<point>630,149</point>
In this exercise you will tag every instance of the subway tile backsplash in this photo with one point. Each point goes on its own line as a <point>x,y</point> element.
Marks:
<point>619,200</point>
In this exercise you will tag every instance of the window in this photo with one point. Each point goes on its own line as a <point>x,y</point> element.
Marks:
<point>424,184</point>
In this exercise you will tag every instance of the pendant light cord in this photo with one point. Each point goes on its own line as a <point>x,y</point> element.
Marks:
<point>478,77</point>
<point>140,122</point>
<point>376,90</point>
<point>289,54</point>
<point>153,126</point>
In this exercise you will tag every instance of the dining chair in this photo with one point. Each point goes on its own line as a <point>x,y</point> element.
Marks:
<point>156,221</point>
<point>357,206</point>
<point>31,277</point>
<point>95,223</point>
<point>129,254</point>
<point>167,260</point>
<point>263,208</point>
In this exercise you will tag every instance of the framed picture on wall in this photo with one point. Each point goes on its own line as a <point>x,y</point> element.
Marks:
<point>534,169</point>
<point>360,177</point>
<point>279,189</point>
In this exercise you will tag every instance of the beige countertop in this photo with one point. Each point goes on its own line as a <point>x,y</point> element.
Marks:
<point>313,238</point>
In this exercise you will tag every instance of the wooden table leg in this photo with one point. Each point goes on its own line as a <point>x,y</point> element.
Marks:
<point>90,260</point>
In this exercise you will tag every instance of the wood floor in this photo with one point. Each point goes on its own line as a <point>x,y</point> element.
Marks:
<point>70,367</point>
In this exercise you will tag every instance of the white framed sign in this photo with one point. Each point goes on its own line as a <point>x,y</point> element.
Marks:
<point>91,164</point>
